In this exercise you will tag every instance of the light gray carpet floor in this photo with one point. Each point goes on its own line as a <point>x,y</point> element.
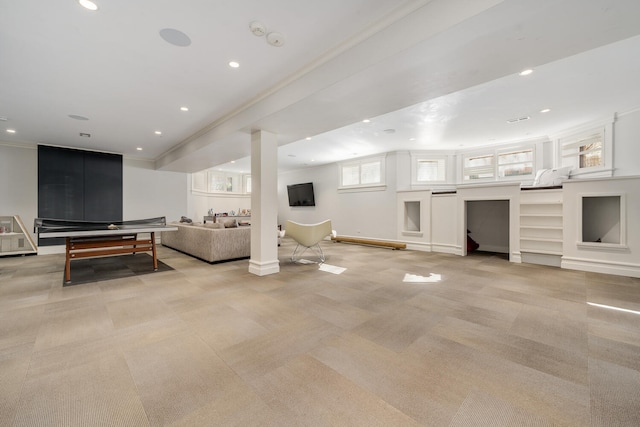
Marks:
<point>492,344</point>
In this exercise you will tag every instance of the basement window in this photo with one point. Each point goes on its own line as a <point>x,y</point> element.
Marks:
<point>363,173</point>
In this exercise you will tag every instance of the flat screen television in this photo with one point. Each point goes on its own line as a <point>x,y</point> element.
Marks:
<point>301,194</point>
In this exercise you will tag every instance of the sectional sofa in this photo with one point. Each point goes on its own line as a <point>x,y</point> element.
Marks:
<point>211,242</point>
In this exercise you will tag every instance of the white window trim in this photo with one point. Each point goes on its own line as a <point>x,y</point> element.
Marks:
<point>483,153</point>
<point>199,182</point>
<point>534,162</point>
<point>197,186</point>
<point>534,145</point>
<point>606,128</point>
<point>417,156</point>
<point>246,178</point>
<point>381,185</point>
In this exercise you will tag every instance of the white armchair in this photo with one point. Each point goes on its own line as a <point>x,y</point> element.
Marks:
<point>308,236</point>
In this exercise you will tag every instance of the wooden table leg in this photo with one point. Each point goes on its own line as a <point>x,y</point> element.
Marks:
<point>67,264</point>
<point>155,256</point>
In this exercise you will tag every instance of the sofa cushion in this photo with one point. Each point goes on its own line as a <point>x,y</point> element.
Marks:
<point>213,225</point>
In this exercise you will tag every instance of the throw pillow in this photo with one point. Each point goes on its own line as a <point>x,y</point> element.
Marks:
<point>551,177</point>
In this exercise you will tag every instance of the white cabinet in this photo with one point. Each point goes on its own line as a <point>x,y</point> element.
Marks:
<point>14,239</point>
<point>541,226</point>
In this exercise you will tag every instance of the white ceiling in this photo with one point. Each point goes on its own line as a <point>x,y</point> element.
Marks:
<point>444,72</point>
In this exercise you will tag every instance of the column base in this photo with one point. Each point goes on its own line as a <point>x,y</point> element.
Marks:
<point>264,268</point>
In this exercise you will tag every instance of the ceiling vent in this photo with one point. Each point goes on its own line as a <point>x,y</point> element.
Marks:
<point>519,119</point>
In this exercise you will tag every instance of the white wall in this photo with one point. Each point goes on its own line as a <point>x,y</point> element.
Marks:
<point>19,183</point>
<point>622,258</point>
<point>146,192</point>
<point>414,219</point>
<point>444,223</point>
<point>149,193</point>
<point>626,150</point>
<point>359,213</point>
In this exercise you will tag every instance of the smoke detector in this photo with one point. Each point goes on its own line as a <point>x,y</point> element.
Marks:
<point>258,29</point>
<point>275,39</point>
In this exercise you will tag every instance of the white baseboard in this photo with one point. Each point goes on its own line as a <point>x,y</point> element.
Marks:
<point>541,259</point>
<point>605,267</point>
<point>50,250</point>
<point>446,248</point>
<point>418,246</point>
<point>264,268</point>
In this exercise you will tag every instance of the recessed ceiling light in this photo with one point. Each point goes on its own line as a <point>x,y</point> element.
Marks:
<point>184,108</point>
<point>546,110</point>
<point>139,148</point>
<point>234,64</point>
<point>526,72</point>
<point>366,121</point>
<point>88,4</point>
<point>158,132</point>
<point>308,138</point>
<point>11,131</point>
<point>233,161</point>
<point>412,139</point>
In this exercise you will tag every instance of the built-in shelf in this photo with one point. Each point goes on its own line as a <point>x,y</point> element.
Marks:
<point>412,216</point>
<point>541,226</point>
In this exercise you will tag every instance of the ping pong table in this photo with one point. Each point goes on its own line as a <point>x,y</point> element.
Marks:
<point>85,239</point>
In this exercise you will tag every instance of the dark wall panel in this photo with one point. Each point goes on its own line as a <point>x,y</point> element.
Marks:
<point>60,183</point>
<point>78,185</point>
<point>103,187</point>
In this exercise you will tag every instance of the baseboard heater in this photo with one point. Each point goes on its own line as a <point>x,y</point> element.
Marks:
<point>370,242</point>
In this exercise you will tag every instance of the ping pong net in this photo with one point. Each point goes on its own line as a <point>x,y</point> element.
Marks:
<point>49,225</point>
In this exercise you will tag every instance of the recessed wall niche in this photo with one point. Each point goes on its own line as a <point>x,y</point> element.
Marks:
<point>411,216</point>
<point>603,219</point>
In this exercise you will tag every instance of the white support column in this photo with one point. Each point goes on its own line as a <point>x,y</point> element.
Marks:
<point>264,204</point>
